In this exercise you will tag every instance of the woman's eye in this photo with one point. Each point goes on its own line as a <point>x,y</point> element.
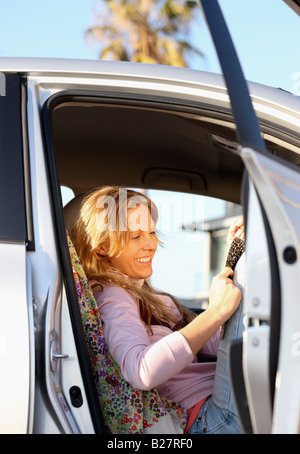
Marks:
<point>137,237</point>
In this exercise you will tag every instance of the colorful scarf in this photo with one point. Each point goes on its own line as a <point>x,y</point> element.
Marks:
<point>125,410</point>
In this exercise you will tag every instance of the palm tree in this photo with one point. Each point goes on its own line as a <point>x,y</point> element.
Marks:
<point>149,31</point>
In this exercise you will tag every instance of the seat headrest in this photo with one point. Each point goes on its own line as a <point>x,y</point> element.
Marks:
<point>71,211</point>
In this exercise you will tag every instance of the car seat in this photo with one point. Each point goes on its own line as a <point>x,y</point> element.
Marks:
<point>72,210</point>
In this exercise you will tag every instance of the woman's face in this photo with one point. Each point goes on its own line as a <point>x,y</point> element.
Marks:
<point>136,259</point>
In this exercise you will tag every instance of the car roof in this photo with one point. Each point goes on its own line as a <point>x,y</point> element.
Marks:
<point>180,141</point>
<point>91,68</point>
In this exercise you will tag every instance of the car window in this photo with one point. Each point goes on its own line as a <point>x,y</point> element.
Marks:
<point>15,223</point>
<point>193,231</point>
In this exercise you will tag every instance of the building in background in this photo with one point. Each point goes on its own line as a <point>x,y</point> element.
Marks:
<point>216,249</point>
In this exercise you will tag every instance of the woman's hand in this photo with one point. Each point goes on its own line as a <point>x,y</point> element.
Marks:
<point>224,299</point>
<point>236,229</point>
<point>224,296</point>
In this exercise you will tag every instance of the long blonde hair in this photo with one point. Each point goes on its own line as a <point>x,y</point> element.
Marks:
<point>103,222</point>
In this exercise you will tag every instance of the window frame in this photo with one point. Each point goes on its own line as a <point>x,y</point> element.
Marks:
<point>16,225</point>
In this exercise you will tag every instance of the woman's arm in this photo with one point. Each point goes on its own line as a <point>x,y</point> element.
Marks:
<point>224,299</point>
<point>145,361</point>
<point>145,364</point>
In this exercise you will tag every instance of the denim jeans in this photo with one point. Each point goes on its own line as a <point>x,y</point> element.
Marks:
<point>218,415</point>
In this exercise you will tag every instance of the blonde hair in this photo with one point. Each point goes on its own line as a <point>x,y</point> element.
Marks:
<point>103,222</point>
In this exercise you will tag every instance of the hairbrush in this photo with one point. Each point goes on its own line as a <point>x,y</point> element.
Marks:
<point>236,249</point>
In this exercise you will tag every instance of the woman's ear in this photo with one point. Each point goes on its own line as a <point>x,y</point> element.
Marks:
<point>101,250</point>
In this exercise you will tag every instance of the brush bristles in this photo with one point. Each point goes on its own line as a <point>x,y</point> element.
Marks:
<point>236,249</point>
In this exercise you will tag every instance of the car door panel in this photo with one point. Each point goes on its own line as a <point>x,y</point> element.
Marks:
<point>279,191</point>
<point>16,326</point>
<point>271,199</point>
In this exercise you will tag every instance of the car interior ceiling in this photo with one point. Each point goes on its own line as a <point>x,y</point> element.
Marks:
<point>106,144</point>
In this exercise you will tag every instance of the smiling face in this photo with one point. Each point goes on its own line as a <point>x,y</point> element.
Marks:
<point>136,259</point>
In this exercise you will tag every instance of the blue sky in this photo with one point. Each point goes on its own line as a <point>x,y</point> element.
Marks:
<point>266,34</point>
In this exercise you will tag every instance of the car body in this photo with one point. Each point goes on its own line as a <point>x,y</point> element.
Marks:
<point>84,124</point>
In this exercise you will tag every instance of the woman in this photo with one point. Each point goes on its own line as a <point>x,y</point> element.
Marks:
<point>154,339</point>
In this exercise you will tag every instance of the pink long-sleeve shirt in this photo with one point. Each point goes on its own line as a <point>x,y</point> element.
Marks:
<point>163,360</point>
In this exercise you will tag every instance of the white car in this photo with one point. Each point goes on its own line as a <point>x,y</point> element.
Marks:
<point>84,124</point>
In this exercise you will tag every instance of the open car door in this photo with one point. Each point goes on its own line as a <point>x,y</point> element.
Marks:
<point>294,4</point>
<point>265,364</point>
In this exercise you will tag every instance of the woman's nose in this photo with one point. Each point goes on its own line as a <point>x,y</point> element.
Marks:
<point>150,242</point>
